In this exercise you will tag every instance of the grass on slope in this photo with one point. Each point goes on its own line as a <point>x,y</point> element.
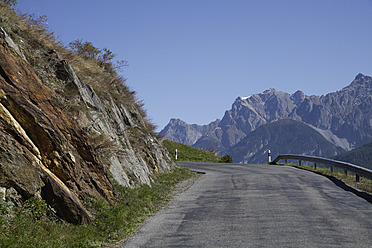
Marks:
<point>364,184</point>
<point>29,226</point>
<point>188,153</point>
<point>360,156</point>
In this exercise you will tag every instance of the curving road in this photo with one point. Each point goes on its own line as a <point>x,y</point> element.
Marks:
<point>259,206</point>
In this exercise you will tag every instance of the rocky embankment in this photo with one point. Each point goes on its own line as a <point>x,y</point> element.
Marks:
<point>60,140</point>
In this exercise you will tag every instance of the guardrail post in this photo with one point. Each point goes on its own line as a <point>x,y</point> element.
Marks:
<point>286,161</point>
<point>299,162</point>
<point>331,169</point>
<point>315,166</point>
<point>357,178</point>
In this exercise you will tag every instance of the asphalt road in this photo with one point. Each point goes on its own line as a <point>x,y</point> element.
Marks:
<point>259,206</point>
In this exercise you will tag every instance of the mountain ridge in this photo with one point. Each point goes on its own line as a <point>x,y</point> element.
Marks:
<point>282,136</point>
<point>342,117</point>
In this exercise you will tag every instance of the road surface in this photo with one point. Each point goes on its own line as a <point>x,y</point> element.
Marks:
<point>259,206</point>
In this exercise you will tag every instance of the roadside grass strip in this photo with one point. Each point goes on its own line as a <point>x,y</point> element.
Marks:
<point>32,225</point>
<point>364,184</point>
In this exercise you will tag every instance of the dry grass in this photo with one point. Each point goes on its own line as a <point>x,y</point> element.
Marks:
<point>36,41</point>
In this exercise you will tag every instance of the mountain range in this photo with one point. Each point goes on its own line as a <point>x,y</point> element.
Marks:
<point>343,119</point>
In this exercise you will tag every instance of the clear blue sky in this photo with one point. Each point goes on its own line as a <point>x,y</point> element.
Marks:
<point>190,59</point>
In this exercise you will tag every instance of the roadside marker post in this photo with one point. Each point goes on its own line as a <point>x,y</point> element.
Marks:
<point>269,153</point>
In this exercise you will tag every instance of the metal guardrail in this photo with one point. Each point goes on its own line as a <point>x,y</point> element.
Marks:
<point>357,170</point>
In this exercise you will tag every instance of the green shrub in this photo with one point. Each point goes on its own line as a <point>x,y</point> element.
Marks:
<point>36,208</point>
<point>104,57</point>
<point>226,159</point>
<point>6,207</point>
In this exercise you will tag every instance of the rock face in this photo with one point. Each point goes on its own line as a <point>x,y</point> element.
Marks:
<point>342,117</point>
<point>347,113</point>
<point>283,136</point>
<point>110,125</point>
<point>59,140</point>
<point>43,152</point>
<point>181,132</point>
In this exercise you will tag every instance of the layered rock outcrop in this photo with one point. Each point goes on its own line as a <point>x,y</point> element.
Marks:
<point>112,126</point>
<point>43,151</point>
<point>61,142</point>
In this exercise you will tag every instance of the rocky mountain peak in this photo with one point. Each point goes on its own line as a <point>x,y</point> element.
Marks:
<point>260,98</point>
<point>179,131</point>
<point>269,91</point>
<point>361,76</point>
<point>360,81</point>
<point>344,115</point>
<point>176,121</point>
<point>298,97</point>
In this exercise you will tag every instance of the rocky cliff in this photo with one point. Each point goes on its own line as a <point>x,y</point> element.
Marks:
<point>346,113</point>
<point>342,117</point>
<point>118,132</point>
<point>64,139</point>
<point>181,132</point>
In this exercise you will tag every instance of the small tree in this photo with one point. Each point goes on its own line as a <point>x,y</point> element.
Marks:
<point>226,159</point>
<point>105,57</point>
<point>85,48</point>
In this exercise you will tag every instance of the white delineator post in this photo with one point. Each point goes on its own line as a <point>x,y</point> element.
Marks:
<point>269,154</point>
<point>176,154</point>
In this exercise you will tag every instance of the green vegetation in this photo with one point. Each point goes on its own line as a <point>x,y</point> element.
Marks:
<point>359,156</point>
<point>226,159</point>
<point>188,153</point>
<point>34,223</point>
<point>32,226</point>
<point>105,57</point>
<point>364,184</point>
